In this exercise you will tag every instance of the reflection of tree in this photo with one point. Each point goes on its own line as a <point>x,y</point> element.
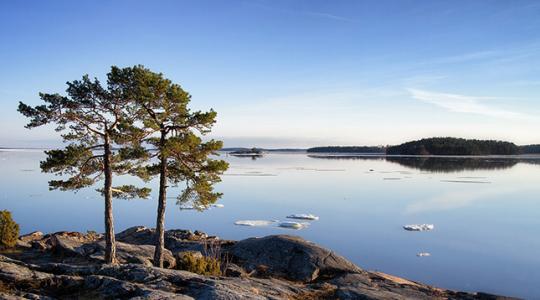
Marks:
<point>252,156</point>
<point>442,164</point>
<point>350,157</point>
<point>447,164</point>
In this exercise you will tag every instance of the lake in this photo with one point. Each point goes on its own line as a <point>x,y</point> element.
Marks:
<point>486,211</point>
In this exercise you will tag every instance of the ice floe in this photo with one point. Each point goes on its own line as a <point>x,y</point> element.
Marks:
<point>293,225</point>
<point>193,207</point>
<point>201,207</point>
<point>255,222</point>
<point>419,227</point>
<point>303,217</point>
<point>465,181</point>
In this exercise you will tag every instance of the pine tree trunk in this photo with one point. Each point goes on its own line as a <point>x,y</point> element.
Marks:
<point>110,244</point>
<point>162,202</point>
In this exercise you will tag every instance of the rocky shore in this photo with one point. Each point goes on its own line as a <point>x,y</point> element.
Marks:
<point>69,265</point>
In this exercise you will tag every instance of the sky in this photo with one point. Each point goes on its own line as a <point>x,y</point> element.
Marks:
<point>292,73</point>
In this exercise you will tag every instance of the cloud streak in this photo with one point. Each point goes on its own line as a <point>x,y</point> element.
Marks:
<point>463,104</point>
<point>327,16</point>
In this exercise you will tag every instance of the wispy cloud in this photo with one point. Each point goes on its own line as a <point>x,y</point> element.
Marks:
<point>326,16</point>
<point>466,57</point>
<point>316,14</point>
<point>464,104</point>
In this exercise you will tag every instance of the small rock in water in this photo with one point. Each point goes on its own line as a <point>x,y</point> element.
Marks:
<point>293,225</point>
<point>419,227</point>
<point>254,222</point>
<point>423,254</point>
<point>303,217</point>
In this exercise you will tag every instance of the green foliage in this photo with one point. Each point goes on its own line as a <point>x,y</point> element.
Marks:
<point>9,230</point>
<point>529,149</point>
<point>129,192</point>
<point>204,265</point>
<point>92,118</point>
<point>453,146</point>
<point>167,123</point>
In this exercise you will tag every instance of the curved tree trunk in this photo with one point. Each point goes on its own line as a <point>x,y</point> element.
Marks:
<point>162,202</point>
<point>110,244</point>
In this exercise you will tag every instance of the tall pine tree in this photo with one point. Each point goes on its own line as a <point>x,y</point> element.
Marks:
<point>181,157</point>
<point>93,120</point>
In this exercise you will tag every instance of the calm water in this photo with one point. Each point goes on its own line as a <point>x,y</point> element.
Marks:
<point>486,212</point>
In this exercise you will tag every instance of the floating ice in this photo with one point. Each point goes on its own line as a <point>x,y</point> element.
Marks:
<point>254,222</point>
<point>465,181</point>
<point>193,207</point>
<point>303,217</point>
<point>293,225</point>
<point>419,227</point>
<point>423,254</point>
<point>201,207</point>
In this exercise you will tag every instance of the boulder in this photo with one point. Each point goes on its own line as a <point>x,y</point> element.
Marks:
<point>175,240</point>
<point>127,253</point>
<point>64,245</point>
<point>32,236</point>
<point>137,235</point>
<point>233,270</point>
<point>290,257</point>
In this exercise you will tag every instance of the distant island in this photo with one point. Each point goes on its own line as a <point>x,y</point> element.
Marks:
<point>348,149</point>
<point>254,153</point>
<point>454,146</point>
<point>437,146</point>
<point>530,149</point>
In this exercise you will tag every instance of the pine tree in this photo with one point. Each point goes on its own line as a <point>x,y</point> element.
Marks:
<point>9,230</point>
<point>93,120</point>
<point>173,129</point>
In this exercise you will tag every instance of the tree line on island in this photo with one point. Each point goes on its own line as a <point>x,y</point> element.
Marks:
<point>138,124</point>
<point>437,146</point>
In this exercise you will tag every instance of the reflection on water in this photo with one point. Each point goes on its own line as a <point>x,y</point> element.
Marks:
<point>442,164</point>
<point>485,237</point>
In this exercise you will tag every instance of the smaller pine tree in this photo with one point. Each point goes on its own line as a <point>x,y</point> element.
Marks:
<point>9,230</point>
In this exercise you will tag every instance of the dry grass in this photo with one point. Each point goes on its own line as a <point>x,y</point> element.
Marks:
<point>326,291</point>
<point>203,265</point>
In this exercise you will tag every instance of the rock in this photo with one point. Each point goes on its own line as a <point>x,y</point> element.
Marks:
<point>233,270</point>
<point>65,246</point>
<point>62,242</point>
<point>176,240</point>
<point>290,257</point>
<point>32,236</point>
<point>127,253</point>
<point>91,286</point>
<point>272,262</point>
<point>27,239</point>
<point>137,235</point>
<point>38,245</point>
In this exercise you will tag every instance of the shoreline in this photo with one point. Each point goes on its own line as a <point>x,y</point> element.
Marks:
<point>272,267</point>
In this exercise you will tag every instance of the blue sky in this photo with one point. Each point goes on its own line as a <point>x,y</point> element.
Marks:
<point>293,73</point>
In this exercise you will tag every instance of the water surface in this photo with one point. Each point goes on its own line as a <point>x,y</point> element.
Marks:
<point>486,211</point>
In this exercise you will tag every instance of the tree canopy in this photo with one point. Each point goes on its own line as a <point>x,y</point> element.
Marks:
<point>174,131</point>
<point>93,119</point>
<point>453,146</point>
